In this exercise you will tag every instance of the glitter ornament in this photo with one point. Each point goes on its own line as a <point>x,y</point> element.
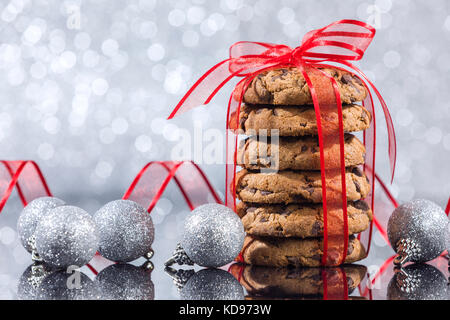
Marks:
<point>30,281</point>
<point>125,282</point>
<point>66,237</point>
<point>30,217</point>
<point>213,235</point>
<point>212,284</point>
<point>126,231</point>
<point>417,282</point>
<point>61,285</point>
<point>417,230</point>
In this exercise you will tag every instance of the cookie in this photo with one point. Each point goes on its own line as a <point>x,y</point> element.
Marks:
<point>293,252</point>
<point>296,153</point>
<point>287,86</point>
<point>295,121</point>
<point>282,282</point>
<point>297,186</point>
<point>298,220</point>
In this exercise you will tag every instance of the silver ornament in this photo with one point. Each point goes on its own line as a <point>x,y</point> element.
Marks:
<point>66,237</point>
<point>30,281</point>
<point>417,282</point>
<point>31,215</point>
<point>213,235</point>
<point>212,284</point>
<point>417,230</point>
<point>126,230</point>
<point>61,285</point>
<point>125,282</point>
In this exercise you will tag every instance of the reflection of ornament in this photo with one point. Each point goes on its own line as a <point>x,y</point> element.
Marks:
<point>31,215</point>
<point>417,282</point>
<point>417,230</point>
<point>66,237</point>
<point>30,281</point>
<point>61,285</point>
<point>447,240</point>
<point>213,236</point>
<point>206,284</point>
<point>125,282</point>
<point>126,231</point>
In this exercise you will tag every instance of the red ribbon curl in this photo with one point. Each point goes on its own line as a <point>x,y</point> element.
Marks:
<point>336,44</point>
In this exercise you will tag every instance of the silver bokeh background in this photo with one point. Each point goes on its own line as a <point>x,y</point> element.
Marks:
<point>86,87</point>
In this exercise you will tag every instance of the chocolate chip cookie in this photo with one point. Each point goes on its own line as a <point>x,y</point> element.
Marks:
<point>284,252</point>
<point>287,86</point>
<point>282,282</point>
<point>295,121</point>
<point>296,154</point>
<point>298,220</point>
<point>297,186</point>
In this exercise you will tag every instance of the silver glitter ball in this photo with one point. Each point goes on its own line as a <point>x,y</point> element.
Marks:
<point>417,282</point>
<point>422,224</point>
<point>61,285</point>
<point>66,237</point>
<point>31,215</point>
<point>212,284</point>
<point>30,281</point>
<point>125,282</point>
<point>126,230</point>
<point>213,235</point>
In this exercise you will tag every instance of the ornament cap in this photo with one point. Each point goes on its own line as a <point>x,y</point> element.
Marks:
<point>179,256</point>
<point>179,277</point>
<point>34,254</point>
<point>407,249</point>
<point>405,281</point>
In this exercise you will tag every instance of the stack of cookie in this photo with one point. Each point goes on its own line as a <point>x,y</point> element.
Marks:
<point>282,209</point>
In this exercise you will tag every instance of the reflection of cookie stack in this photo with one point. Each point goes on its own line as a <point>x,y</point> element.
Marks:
<point>299,283</point>
<point>282,210</point>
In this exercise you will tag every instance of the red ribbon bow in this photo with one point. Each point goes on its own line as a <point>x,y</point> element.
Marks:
<point>336,44</point>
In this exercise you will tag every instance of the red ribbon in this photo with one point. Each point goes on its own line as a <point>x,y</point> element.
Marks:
<point>338,43</point>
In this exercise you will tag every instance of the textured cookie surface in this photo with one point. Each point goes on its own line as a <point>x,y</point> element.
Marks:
<point>284,252</point>
<point>288,86</point>
<point>298,220</point>
<point>283,282</point>
<point>296,121</point>
<point>296,153</point>
<point>298,186</point>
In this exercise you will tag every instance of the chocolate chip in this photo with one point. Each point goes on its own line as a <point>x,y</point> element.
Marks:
<point>310,190</point>
<point>251,209</point>
<point>346,79</point>
<point>357,80</point>
<point>362,205</point>
<point>263,219</point>
<point>252,190</point>
<point>357,172</point>
<point>350,249</point>
<point>316,228</point>
<point>357,186</point>
<point>304,148</point>
<point>265,192</point>
<point>314,149</point>
<point>293,261</point>
<point>316,257</point>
